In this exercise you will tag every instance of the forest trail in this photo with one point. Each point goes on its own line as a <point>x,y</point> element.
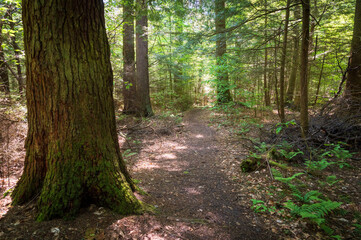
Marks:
<point>193,196</point>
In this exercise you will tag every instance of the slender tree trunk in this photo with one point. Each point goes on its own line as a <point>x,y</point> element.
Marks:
<point>353,84</point>
<point>178,73</point>
<point>275,76</point>
<point>265,84</point>
<point>295,59</point>
<point>304,66</point>
<point>223,92</point>
<point>142,68</point>
<point>4,76</point>
<point>129,81</point>
<point>283,64</point>
<point>72,152</point>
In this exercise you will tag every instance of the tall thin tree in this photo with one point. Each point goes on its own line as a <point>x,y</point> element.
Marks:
<point>129,81</point>
<point>283,63</point>
<point>295,57</point>
<point>265,70</point>
<point>223,91</point>
<point>304,66</point>
<point>142,65</point>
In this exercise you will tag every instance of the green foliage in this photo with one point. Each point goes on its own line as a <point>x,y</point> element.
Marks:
<point>313,207</point>
<point>259,206</point>
<point>315,212</point>
<point>281,126</point>
<point>127,154</point>
<point>278,176</point>
<point>317,165</point>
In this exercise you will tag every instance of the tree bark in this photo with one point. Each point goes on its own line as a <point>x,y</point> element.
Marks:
<point>129,81</point>
<point>142,67</point>
<point>304,66</point>
<point>353,84</point>
<point>295,59</point>
<point>223,92</point>
<point>283,64</point>
<point>72,152</point>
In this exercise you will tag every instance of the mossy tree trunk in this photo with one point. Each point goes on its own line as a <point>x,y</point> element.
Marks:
<point>72,153</point>
<point>223,91</point>
<point>353,84</point>
<point>129,83</point>
<point>142,65</point>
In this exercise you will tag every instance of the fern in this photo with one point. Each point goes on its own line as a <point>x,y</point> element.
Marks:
<point>315,212</point>
<point>308,197</point>
<point>289,179</point>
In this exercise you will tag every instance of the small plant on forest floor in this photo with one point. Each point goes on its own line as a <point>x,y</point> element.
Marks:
<point>339,153</point>
<point>127,154</point>
<point>259,206</point>
<point>281,126</point>
<point>311,206</point>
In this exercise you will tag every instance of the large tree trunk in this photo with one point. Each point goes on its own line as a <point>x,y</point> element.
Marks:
<point>72,152</point>
<point>4,76</point>
<point>223,92</point>
<point>353,84</point>
<point>129,81</point>
<point>304,66</point>
<point>283,64</point>
<point>295,59</point>
<point>144,105</point>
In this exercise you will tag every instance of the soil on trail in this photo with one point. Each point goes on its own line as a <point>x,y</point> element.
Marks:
<point>186,182</point>
<point>181,169</point>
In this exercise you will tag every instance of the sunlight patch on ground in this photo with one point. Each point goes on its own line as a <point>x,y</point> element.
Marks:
<point>148,165</point>
<point>199,136</point>
<point>167,156</point>
<point>193,191</point>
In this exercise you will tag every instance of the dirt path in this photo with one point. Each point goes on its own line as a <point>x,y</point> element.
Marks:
<point>194,198</point>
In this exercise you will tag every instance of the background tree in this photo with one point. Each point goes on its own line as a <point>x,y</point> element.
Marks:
<point>265,82</point>
<point>295,56</point>
<point>4,76</point>
<point>72,152</point>
<point>304,66</point>
<point>223,88</point>
<point>129,81</point>
<point>283,63</point>
<point>353,84</point>
<point>142,64</point>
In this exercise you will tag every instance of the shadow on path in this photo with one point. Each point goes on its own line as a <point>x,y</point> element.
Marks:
<point>194,198</point>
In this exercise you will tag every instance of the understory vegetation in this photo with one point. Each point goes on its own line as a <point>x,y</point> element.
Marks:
<point>297,183</point>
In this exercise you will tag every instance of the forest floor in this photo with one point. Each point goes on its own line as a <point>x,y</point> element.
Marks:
<point>187,167</point>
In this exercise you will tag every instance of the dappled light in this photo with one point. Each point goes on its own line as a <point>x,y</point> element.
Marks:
<point>175,119</point>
